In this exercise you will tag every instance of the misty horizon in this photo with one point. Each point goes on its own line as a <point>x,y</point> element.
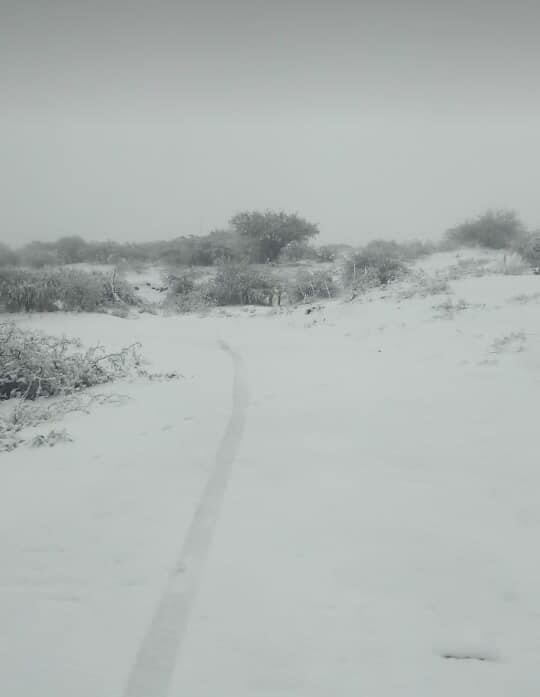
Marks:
<point>373,120</point>
<point>319,240</point>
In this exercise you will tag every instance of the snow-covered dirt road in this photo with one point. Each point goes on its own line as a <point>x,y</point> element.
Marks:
<point>157,657</point>
<point>377,535</point>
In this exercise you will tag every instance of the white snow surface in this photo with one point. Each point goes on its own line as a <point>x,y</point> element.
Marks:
<point>377,534</point>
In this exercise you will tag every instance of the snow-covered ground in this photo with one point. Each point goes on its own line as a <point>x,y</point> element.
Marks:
<point>370,525</point>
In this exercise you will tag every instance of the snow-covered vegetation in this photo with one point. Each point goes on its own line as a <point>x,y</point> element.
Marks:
<point>379,458</point>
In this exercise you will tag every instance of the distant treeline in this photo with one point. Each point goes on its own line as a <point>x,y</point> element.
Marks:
<point>259,237</point>
<point>252,237</point>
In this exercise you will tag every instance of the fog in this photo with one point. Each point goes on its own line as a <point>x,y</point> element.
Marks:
<point>148,120</point>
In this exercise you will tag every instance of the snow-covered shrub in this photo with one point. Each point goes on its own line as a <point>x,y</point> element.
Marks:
<point>377,264</point>
<point>48,290</point>
<point>529,249</point>
<point>493,230</point>
<point>310,285</point>
<point>240,284</point>
<point>33,364</point>
<point>187,293</point>
<point>43,378</point>
<point>196,300</point>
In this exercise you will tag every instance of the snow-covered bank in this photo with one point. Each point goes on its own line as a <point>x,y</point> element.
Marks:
<point>381,515</point>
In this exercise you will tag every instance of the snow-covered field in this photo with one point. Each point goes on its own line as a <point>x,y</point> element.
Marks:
<point>369,527</point>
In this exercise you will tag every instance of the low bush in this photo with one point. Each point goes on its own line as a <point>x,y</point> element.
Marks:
<point>233,284</point>
<point>47,290</point>
<point>240,284</point>
<point>43,378</point>
<point>33,364</point>
<point>311,285</point>
<point>377,264</point>
<point>198,299</point>
<point>493,230</point>
<point>529,249</point>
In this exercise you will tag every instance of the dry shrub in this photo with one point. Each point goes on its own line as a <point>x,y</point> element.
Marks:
<point>49,290</point>
<point>311,285</point>
<point>33,364</point>
<point>240,284</point>
<point>187,293</point>
<point>529,249</point>
<point>375,265</point>
<point>43,378</point>
<point>493,230</point>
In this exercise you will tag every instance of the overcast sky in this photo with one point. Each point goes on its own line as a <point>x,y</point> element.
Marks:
<point>376,118</point>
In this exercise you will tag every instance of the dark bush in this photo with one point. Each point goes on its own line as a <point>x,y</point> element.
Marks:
<point>493,230</point>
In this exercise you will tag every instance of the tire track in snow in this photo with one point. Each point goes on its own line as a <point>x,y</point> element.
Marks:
<point>152,672</point>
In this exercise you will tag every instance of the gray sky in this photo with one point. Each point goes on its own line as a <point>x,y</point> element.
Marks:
<point>148,120</point>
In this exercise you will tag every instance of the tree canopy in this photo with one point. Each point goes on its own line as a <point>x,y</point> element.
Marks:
<point>269,232</point>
